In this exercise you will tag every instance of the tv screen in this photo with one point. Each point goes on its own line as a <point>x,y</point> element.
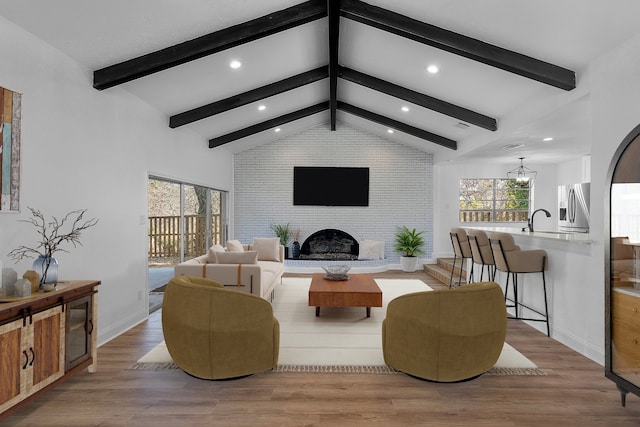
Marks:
<point>330,186</point>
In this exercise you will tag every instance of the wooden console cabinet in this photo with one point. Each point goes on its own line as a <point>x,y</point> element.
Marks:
<point>45,338</point>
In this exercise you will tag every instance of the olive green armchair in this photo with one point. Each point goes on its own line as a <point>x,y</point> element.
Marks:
<point>216,333</point>
<point>446,335</point>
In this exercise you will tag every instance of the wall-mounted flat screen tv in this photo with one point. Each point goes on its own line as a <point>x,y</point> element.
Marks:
<point>330,186</point>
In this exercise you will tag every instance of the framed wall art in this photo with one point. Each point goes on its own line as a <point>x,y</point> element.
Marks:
<point>10,117</point>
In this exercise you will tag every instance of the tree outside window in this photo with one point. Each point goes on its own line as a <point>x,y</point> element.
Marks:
<point>494,200</point>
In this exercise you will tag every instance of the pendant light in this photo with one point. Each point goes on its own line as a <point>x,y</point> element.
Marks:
<point>522,174</point>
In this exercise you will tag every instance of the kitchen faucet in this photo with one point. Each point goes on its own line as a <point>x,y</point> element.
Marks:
<point>530,222</point>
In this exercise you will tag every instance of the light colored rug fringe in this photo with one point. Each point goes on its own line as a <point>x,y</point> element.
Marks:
<point>322,369</point>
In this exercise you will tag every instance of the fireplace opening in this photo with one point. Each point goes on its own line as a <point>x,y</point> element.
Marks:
<point>330,244</point>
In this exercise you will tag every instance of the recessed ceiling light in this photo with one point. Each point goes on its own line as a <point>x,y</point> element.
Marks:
<point>277,130</point>
<point>405,109</point>
<point>235,64</point>
<point>547,139</point>
<point>262,107</point>
<point>432,69</point>
<point>389,130</point>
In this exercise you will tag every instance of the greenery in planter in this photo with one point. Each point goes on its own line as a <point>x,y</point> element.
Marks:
<point>409,242</point>
<point>283,232</point>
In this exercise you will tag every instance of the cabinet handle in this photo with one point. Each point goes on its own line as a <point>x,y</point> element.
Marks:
<point>33,356</point>
<point>26,359</point>
<point>91,324</point>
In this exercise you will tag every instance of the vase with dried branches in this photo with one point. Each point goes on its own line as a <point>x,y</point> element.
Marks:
<point>52,238</point>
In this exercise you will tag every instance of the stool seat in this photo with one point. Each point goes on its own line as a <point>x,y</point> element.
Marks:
<point>509,258</point>
<point>481,252</point>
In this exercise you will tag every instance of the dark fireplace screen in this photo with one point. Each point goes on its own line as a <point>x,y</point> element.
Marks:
<point>330,244</point>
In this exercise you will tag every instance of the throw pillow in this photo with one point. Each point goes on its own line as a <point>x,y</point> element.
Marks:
<point>368,250</point>
<point>380,245</point>
<point>234,246</point>
<point>211,253</point>
<point>268,248</point>
<point>245,257</point>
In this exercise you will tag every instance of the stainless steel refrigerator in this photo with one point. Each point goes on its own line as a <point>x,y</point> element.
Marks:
<point>573,207</point>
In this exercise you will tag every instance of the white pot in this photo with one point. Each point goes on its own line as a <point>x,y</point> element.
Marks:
<point>409,263</point>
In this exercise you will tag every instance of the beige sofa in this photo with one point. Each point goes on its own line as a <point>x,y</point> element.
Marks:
<point>255,268</point>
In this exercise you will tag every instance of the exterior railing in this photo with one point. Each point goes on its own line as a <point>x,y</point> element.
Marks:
<point>493,216</point>
<point>165,231</point>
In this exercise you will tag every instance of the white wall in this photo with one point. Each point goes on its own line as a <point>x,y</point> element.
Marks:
<point>82,148</point>
<point>400,187</point>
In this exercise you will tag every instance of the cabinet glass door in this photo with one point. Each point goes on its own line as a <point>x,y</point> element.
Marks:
<point>622,363</point>
<point>79,329</point>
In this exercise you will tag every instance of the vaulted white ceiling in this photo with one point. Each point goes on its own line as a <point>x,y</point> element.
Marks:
<point>567,33</point>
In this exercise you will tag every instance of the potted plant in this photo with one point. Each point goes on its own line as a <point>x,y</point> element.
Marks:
<point>284,233</point>
<point>409,244</point>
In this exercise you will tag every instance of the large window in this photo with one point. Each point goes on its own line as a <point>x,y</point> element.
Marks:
<point>494,200</point>
<point>184,220</point>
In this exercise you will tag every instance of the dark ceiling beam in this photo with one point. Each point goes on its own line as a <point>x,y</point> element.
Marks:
<point>209,44</point>
<point>443,107</point>
<point>459,44</point>
<point>248,97</point>
<point>394,124</point>
<point>334,42</point>
<point>268,124</point>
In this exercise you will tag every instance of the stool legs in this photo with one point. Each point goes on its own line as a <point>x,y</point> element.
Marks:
<point>491,272</point>
<point>461,269</point>
<point>518,305</point>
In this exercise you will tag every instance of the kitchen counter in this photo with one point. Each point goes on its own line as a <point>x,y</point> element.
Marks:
<point>572,290</point>
<point>563,236</point>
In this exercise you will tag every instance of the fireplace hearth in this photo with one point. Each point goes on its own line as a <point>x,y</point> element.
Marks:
<point>330,244</point>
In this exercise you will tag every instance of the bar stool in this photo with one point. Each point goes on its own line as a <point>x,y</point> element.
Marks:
<point>481,253</point>
<point>462,250</point>
<point>510,259</point>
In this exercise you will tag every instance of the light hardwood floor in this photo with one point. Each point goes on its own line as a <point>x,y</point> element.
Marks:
<point>574,393</point>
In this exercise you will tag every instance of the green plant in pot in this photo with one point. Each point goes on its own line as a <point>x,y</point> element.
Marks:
<point>409,242</point>
<point>284,233</point>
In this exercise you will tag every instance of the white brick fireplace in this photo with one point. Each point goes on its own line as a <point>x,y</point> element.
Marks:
<point>400,187</point>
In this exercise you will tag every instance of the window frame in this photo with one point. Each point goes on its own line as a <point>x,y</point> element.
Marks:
<point>494,214</point>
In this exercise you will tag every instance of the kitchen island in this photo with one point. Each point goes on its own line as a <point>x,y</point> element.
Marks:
<point>571,292</point>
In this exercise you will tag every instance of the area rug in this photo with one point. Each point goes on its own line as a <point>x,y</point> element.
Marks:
<point>341,339</point>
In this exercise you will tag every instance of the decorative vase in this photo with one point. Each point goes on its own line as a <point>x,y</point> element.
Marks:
<point>295,250</point>
<point>47,268</point>
<point>409,264</point>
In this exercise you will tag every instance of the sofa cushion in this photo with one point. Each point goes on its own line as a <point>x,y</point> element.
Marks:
<point>211,253</point>
<point>234,246</point>
<point>268,248</point>
<point>245,257</point>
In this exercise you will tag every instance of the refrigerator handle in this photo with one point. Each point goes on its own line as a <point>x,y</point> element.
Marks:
<point>572,205</point>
